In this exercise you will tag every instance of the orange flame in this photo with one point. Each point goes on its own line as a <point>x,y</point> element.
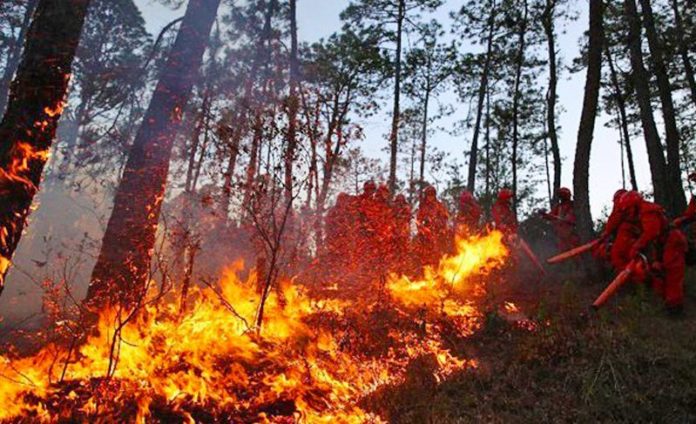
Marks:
<point>212,358</point>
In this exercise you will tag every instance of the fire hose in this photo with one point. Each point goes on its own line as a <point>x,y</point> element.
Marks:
<point>622,278</point>
<point>524,247</point>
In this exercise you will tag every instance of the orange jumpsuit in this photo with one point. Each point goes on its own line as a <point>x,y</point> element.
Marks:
<point>469,215</point>
<point>433,234</point>
<point>625,232</point>
<point>563,220</point>
<point>503,217</point>
<point>666,247</point>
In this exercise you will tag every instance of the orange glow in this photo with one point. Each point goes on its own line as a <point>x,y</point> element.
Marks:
<point>210,357</point>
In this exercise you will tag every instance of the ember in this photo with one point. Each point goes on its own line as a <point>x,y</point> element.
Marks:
<point>314,359</point>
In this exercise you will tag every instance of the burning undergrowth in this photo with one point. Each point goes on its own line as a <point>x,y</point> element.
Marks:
<point>313,360</point>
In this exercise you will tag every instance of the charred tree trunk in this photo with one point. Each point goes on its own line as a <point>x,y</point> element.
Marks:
<point>550,31</point>
<point>122,269</point>
<point>14,55</point>
<point>483,89</point>
<point>293,104</point>
<point>488,145</point>
<point>581,171</point>
<point>35,104</point>
<point>396,113</point>
<point>684,50</point>
<point>195,141</point>
<point>623,117</point>
<point>641,82</point>
<point>516,101</point>
<point>231,167</point>
<point>424,135</point>
<point>664,89</point>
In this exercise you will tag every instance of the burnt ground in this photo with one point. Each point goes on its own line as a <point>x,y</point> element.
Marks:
<point>630,362</point>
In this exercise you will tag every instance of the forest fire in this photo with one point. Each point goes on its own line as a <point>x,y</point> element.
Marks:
<point>314,359</point>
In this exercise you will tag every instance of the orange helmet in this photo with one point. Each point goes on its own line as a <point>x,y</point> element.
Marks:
<point>505,194</point>
<point>369,187</point>
<point>383,191</point>
<point>466,197</point>
<point>430,191</point>
<point>620,192</point>
<point>630,200</point>
<point>564,193</point>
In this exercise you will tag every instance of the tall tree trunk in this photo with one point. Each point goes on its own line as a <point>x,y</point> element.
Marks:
<point>293,104</point>
<point>549,30</point>
<point>623,117</point>
<point>516,101</point>
<point>195,141</point>
<point>394,136</point>
<point>581,171</point>
<point>424,136</point>
<point>234,141</point>
<point>34,106</point>
<point>14,55</point>
<point>684,50</point>
<point>664,89</point>
<point>488,145</point>
<point>122,269</point>
<point>254,153</point>
<point>641,82</point>
<point>483,89</point>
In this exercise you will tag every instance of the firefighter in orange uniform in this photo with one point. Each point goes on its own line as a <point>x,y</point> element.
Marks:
<point>664,246</point>
<point>402,232</point>
<point>433,237</point>
<point>562,218</point>
<point>620,232</point>
<point>469,214</point>
<point>504,218</point>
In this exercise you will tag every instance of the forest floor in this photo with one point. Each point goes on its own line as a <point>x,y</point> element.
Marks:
<point>630,362</point>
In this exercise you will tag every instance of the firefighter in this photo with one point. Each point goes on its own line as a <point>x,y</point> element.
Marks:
<point>562,218</point>
<point>402,231</point>
<point>504,219</point>
<point>664,247</point>
<point>341,247</point>
<point>469,214</point>
<point>620,232</point>
<point>433,238</point>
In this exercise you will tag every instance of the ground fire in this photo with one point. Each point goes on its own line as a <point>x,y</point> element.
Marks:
<point>314,358</point>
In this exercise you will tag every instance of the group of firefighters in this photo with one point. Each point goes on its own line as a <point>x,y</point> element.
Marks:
<point>372,231</point>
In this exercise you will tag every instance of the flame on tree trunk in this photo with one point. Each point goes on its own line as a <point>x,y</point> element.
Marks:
<point>34,107</point>
<point>122,269</point>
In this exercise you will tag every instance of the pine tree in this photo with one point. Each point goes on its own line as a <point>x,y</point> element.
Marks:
<point>35,104</point>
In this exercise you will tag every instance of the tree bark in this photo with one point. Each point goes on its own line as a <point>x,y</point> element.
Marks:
<point>664,89</point>
<point>293,104</point>
<point>623,117</point>
<point>581,171</point>
<point>684,50</point>
<point>516,101</point>
<point>122,270</point>
<point>424,135</point>
<point>34,107</point>
<point>14,55</point>
<point>394,136</point>
<point>483,89</point>
<point>641,82</point>
<point>549,30</point>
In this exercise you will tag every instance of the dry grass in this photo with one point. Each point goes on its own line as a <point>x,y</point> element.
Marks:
<point>628,363</point>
